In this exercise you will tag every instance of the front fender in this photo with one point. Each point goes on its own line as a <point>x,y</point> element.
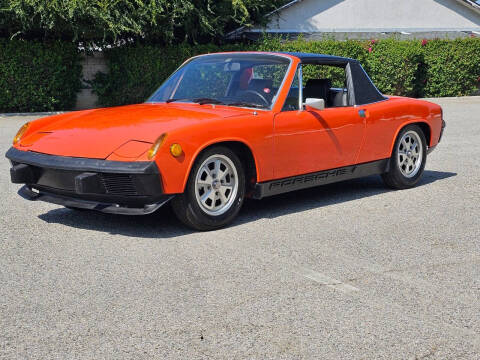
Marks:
<point>255,135</point>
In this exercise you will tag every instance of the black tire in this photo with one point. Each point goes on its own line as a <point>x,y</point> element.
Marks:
<point>396,177</point>
<point>191,210</point>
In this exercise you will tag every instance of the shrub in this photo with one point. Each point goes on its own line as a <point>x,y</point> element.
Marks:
<point>136,71</point>
<point>453,67</point>
<point>38,76</point>
<point>159,21</point>
<point>349,48</point>
<point>413,68</point>
<point>396,67</point>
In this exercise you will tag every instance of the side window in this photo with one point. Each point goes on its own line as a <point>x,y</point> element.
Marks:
<point>325,82</point>
<point>291,102</point>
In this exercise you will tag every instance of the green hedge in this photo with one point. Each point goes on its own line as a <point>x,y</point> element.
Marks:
<point>416,68</point>
<point>397,67</point>
<point>452,67</point>
<point>36,76</point>
<point>136,71</point>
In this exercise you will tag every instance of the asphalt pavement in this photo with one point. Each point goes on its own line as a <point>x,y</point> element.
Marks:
<point>345,271</point>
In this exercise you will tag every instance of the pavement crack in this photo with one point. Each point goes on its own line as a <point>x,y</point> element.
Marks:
<point>327,281</point>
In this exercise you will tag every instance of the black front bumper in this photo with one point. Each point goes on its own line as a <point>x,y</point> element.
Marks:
<point>108,186</point>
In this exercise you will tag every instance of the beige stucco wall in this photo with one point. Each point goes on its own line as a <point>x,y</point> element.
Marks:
<point>375,15</point>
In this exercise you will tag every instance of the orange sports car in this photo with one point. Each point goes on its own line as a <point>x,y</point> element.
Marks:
<point>223,127</point>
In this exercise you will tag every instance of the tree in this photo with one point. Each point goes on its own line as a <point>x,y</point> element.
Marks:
<point>107,21</point>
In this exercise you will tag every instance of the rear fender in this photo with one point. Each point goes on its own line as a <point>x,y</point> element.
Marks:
<point>403,125</point>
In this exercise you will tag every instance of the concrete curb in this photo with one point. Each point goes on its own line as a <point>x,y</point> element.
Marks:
<point>32,114</point>
<point>473,99</point>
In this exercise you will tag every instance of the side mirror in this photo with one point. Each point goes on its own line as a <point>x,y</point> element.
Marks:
<point>318,104</point>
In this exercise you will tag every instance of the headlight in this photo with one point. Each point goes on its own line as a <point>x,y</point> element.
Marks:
<point>156,145</point>
<point>20,133</point>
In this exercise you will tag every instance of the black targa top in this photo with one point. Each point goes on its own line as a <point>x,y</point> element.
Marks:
<point>360,87</point>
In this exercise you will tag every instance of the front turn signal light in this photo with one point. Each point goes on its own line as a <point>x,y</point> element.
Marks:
<point>176,150</point>
<point>20,133</point>
<point>156,146</point>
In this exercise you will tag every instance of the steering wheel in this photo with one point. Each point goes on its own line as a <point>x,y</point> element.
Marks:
<point>259,95</point>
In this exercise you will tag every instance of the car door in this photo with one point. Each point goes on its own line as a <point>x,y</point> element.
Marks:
<point>313,140</point>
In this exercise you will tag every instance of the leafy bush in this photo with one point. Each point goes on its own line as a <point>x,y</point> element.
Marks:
<point>159,21</point>
<point>453,67</point>
<point>136,71</point>
<point>396,67</point>
<point>349,48</point>
<point>38,76</point>
<point>410,68</point>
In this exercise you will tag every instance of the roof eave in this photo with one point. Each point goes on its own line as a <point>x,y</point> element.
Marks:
<point>471,5</point>
<point>231,35</point>
<point>238,31</point>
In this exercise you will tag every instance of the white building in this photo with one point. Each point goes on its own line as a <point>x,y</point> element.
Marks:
<point>366,19</point>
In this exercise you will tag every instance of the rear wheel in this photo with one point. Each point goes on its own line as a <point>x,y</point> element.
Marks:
<point>408,159</point>
<point>215,190</point>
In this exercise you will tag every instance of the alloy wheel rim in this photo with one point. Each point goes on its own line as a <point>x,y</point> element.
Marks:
<point>410,154</point>
<point>216,185</point>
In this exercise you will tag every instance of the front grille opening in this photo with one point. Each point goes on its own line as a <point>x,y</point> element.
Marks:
<point>118,184</point>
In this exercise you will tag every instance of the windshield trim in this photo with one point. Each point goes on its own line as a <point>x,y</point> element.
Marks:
<point>274,100</point>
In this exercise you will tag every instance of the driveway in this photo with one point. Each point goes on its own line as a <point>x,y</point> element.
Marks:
<point>345,271</point>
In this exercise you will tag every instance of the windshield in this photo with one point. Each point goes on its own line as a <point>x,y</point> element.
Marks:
<point>245,80</point>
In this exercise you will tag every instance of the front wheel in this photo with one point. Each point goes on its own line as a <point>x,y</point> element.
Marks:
<point>215,190</point>
<point>408,159</point>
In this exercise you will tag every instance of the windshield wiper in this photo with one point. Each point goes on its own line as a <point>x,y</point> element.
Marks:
<point>201,101</point>
<point>247,104</point>
<point>172,100</point>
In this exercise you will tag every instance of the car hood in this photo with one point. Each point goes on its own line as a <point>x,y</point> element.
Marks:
<point>97,133</point>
